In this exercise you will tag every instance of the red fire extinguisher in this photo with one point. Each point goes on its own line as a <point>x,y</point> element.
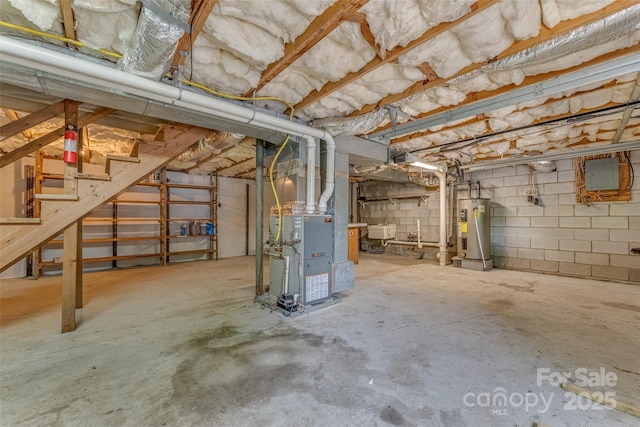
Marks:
<point>70,144</point>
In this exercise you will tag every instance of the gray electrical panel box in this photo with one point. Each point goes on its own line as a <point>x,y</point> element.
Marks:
<point>601,174</point>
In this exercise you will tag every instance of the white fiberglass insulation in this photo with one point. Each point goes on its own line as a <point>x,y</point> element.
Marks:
<point>242,37</point>
<point>559,135</point>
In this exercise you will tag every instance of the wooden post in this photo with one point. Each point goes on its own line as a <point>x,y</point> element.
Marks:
<point>70,282</point>
<point>72,244</point>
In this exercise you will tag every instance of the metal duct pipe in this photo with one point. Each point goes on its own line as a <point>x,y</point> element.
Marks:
<point>75,69</point>
<point>311,174</point>
<point>160,25</point>
<point>330,175</point>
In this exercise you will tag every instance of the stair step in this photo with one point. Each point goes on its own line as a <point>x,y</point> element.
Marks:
<point>57,196</point>
<point>110,157</point>
<point>123,158</point>
<point>19,220</point>
<point>93,177</point>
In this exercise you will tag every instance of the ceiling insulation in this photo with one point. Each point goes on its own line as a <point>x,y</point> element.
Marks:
<point>366,66</point>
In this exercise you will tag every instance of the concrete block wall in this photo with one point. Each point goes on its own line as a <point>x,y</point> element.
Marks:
<point>560,235</point>
<point>404,213</point>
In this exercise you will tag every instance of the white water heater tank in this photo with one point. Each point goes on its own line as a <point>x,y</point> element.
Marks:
<point>474,229</point>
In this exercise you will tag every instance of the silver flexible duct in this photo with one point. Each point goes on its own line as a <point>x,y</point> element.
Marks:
<point>160,26</point>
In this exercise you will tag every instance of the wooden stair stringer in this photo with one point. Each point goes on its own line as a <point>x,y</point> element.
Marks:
<point>17,240</point>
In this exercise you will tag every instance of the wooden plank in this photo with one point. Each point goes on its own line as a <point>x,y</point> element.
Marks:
<point>13,116</point>
<point>92,176</point>
<point>428,72</point>
<point>70,197</point>
<point>33,119</point>
<point>614,403</point>
<point>370,38</point>
<point>315,32</point>
<point>47,139</point>
<point>391,56</point>
<point>19,220</point>
<point>57,215</point>
<point>79,275</point>
<point>200,11</point>
<point>545,35</point>
<point>68,20</point>
<point>69,275</point>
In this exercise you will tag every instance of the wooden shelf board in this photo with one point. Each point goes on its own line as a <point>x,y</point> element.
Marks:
<point>106,258</point>
<point>137,202</point>
<point>185,202</point>
<point>108,239</point>
<point>194,251</point>
<point>192,187</point>
<point>90,219</point>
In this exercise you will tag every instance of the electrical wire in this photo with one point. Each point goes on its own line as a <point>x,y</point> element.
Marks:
<point>189,83</point>
<point>59,38</point>
<point>561,122</point>
<point>275,158</point>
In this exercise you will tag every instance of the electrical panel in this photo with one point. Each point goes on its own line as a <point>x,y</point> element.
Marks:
<point>601,174</point>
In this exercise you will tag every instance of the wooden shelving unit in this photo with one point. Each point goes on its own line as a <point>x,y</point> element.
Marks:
<point>163,220</point>
<point>212,203</point>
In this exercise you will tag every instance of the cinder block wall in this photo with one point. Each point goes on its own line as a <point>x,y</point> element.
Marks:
<point>559,236</point>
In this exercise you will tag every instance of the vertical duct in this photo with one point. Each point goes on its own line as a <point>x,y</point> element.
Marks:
<point>160,25</point>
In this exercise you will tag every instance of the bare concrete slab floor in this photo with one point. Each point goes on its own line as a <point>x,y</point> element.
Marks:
<point>413,344</point>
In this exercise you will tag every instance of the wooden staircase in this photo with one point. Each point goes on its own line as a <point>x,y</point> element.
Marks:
<point>19,236</point>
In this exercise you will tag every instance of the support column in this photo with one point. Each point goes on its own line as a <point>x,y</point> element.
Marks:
<point>71,280</point>
<point>72,244</point>
<point>259,213</point>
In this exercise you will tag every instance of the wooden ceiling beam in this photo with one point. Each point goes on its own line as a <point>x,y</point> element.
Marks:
<point>545,35</point>
<point>68,20</point>
<point>33,119</point>
<point>13,116</point>
<point>47,139</point>
<point>391,56</point>
<point>200,11</point>
<point>318,29</point>
<point>368,35</point>
<point>528,81</point>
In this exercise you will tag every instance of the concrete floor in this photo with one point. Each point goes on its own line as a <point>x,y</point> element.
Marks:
<point>185,345</point>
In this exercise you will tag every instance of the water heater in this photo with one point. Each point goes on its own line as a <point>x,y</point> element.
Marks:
<point>474,232</point>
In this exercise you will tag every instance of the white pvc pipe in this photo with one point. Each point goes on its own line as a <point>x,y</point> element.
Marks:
<point>69,67</point>
<point>46,60</point>
<point>442,175</point>
<point>418,234</point>
<point>311,174</point>
<point>407,243</point>
<point>286,275</point>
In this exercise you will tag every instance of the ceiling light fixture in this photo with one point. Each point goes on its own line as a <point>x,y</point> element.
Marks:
<point>413,160</point>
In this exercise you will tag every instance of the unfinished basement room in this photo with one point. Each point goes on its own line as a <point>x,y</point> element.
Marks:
<point>320,213</point>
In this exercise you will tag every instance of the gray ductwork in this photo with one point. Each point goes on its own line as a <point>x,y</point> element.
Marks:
<point>160,25</point>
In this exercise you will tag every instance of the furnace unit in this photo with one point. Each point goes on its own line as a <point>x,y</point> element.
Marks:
<point>300,267</point>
